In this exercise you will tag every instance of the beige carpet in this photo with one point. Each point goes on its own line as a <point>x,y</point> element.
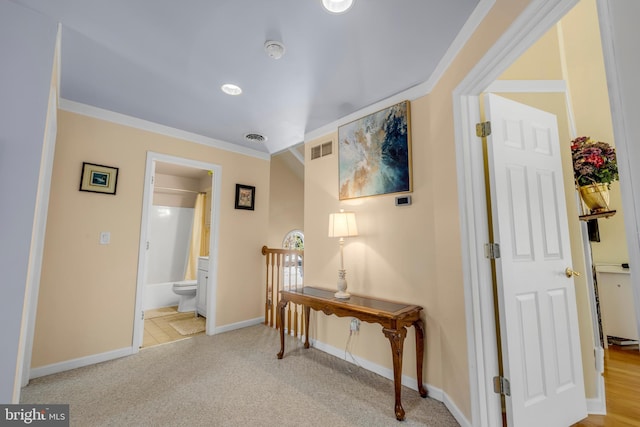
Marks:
<point>232,379</point>
<point>189,326</point>
<point>159,312</point>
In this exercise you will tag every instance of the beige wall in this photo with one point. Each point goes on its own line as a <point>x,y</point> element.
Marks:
<point>87,291</point>
<point>542,61</point>
<point>572,51</point>
<point>163,196</point>
<point>590,100</point>
<point>286,202</point>
<point>412,253</point>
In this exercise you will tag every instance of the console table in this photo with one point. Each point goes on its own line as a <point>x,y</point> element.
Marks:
<point>393,316</point>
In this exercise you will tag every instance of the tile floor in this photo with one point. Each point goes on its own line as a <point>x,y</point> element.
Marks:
<point>157,330</point>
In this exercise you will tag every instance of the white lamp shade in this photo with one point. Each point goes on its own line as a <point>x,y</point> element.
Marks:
<point>343,224</point>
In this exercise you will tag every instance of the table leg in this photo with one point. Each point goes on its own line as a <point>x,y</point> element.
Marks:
<point>396,338</point>
<point>419,327</point>
<point>307,311</point>
<point>280,313</point>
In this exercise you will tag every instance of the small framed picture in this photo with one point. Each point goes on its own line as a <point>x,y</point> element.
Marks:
<point>98,178</point>
<point>245,197</point>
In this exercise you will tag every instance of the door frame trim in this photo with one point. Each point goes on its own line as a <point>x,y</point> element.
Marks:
<point>152,157</point>
<point>623,134</point>
<point>482,344</point>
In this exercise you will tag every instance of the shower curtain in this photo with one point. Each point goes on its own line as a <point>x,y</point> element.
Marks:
<point>196,237</point>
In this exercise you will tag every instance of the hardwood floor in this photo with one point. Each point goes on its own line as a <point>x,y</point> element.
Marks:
<point>622,385</point>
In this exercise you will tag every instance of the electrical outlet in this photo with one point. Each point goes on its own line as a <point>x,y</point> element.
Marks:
<point>355,325</point>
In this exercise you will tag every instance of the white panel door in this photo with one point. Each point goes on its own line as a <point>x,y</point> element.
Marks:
<point>538,315</point>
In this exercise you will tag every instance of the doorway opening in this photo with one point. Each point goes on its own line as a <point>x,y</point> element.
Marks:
<point>482,340</point>
<point>179,237</point>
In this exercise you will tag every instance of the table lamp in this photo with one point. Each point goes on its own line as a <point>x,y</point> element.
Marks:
<point>342,224</point>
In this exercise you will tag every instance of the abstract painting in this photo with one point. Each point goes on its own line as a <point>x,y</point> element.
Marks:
<point>375,153</point>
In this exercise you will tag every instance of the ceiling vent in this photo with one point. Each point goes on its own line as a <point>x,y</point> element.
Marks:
<point>255,137</point>
<point>321,150</point>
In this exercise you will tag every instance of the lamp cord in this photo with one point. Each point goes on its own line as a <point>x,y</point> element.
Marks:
<point>346,350</point>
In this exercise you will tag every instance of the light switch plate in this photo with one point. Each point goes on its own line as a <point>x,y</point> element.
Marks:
<point>105,237</point>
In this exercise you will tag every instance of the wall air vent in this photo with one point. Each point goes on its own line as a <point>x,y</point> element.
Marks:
<point>327,148</point>
<point>321,150</point>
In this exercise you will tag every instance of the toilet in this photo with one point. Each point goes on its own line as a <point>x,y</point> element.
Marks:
<point>186,290</point>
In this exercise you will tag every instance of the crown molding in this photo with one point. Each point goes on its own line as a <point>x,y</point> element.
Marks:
<point>421,89</point>
<point>122,119</point>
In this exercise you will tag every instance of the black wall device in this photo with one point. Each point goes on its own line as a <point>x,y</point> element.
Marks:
<point>403,200</point>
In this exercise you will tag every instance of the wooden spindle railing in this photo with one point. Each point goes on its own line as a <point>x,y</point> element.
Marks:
<point>284,270</point>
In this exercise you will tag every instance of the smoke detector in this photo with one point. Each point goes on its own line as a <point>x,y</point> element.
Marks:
<point>274,49</point>
<point>254,137</point>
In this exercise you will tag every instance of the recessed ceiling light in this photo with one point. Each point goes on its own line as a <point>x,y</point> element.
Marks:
<point>337,6</point>
<point>231,89</point>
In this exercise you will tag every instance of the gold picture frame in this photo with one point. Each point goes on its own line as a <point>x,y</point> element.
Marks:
<point>98,178</point>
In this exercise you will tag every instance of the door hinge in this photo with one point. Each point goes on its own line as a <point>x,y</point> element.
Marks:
<point>483,129</point>
<point>501,386</point>
<point>492,250</point>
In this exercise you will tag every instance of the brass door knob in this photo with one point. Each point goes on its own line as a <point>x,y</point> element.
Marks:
<point>569,272</point>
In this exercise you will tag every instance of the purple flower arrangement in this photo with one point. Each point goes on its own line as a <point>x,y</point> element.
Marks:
<point>594,162</point>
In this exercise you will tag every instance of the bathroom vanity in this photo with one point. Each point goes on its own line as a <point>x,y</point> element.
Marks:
<point>203,279</point>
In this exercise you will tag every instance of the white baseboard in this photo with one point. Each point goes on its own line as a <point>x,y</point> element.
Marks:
<point>67,365</point>
<point>455,411</point>
<point>239,325</point>
<point>434,392</point>
<point>598,405</point>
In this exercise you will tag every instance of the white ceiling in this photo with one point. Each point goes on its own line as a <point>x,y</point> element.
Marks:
<point>164,60</point>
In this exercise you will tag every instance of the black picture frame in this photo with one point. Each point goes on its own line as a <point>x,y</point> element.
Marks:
<point>98,178</point>
<point>245,197</point>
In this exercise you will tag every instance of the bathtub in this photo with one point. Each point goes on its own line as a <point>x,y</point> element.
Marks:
<point>158,295</point>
